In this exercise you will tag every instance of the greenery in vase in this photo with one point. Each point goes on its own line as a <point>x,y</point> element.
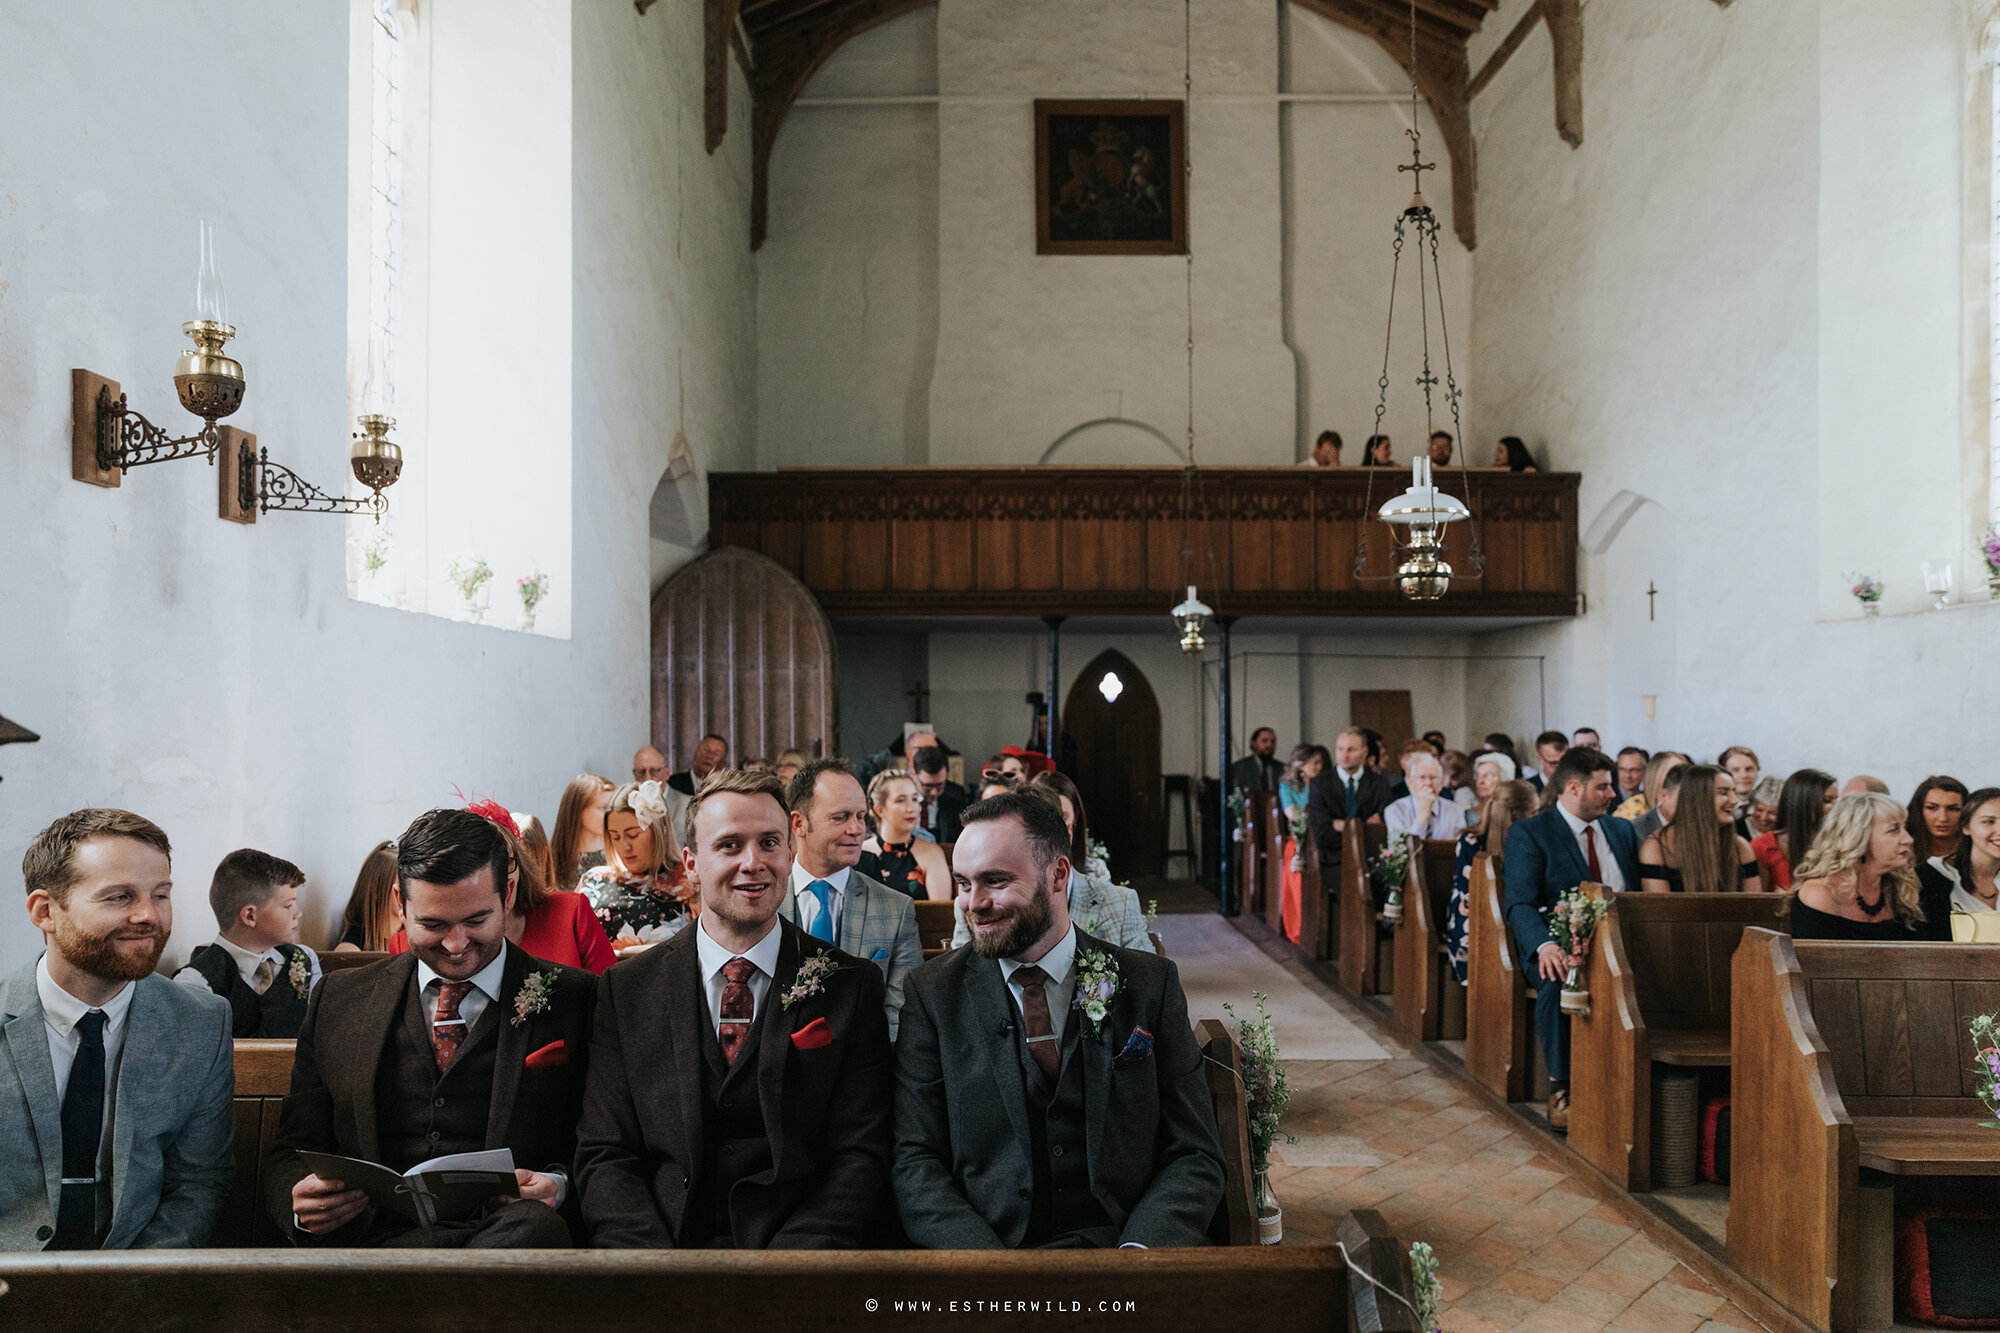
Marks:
<point>1263,1081</point>
<point>1388,866</point>
<point>533,590</point>
<point>1096,850</point>
<point>1235,805</point>
<point>1427,1288</point>
<point>1573,922</point>
<point>375,554</point>
<point>1985,1029</point>
<point>468,576</point>
<point>1866,588</point>
<point>1297,819</point>
<point>1152,913</point>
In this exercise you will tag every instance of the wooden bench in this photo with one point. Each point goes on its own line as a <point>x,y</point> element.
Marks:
<point>263,1077</point>
<point>1249,856</point>
<point>1277,831</point>
<point>1848,1057</point>
<point>1360,942</point>
<point>330,961</point>
<point>1275,1288</point>
<point>1318,924</point>
<point>1222,1067</point>
<point>935,924</point>
<point>1375,1251</point>
<point>1659,994</point>
<point>1499,1019</point>
<point>1426,1003</point>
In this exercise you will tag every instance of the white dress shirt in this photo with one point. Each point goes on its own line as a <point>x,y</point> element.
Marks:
<point>1447,818</point>
<point>805,907</point>
<point>763,956</point>
<point>61,1012</point>
<point>1962,900</point>
<point>1060,988</point>
<point>246,966</point>
<point>1607,864</point>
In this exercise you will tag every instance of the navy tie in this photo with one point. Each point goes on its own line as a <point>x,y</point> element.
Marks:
<point>82,1128</point>
<point>822,926</point>
<point>1350,798</point>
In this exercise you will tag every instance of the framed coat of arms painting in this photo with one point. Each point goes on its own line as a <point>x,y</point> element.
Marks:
<point>1110,178</point>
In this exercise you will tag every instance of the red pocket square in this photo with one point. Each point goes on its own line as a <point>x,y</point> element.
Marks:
<point>813,1035</point>
<point>555,1054</point>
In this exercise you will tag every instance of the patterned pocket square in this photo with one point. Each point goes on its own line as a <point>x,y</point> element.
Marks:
<point>1138,1046</point>
<point>813,1035</point>
<point>551,1056</point>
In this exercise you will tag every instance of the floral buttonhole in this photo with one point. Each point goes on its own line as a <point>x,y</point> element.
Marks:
<point>537,993</point>
<point>811,979</point>
<point>300,975</point>
<point>1096,984</point>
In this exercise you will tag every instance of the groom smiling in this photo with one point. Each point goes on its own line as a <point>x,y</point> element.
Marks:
<point>1049,1090</point>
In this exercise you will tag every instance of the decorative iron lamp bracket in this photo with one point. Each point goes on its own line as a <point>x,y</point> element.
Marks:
<point>263,486</point>
<point>108,437</point>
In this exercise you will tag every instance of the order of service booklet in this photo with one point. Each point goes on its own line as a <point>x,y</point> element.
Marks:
<point>444,1189</point>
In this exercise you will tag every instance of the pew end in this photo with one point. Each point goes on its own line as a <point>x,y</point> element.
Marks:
<point>1373,1249</point>
<point>1419,978</point>
<point>935,924</point>
<point>1222,1068</point>
<point>1497,1023</point>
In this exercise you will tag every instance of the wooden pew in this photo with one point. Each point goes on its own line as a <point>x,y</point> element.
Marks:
<point>1250,851</point>
<point>1418,982</point>
<point>1659,994</point>
<point>1318,924</point>
<point>263,1077</point>
<point>1275,1288</point>
<point>935,924</point>
<point>1499,1021</point>
<point>330,961</point>
<point>1844,1057</point>
<point>1375,1251</point>
<point>1277,833</point>
<point>1360,954</point>
<point>1222,1066</point>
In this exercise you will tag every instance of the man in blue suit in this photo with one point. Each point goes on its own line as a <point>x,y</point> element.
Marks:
<point>1574,841</point>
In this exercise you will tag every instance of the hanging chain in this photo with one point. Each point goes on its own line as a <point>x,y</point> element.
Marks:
<point>1452,394</point>
<point>1187,198</point>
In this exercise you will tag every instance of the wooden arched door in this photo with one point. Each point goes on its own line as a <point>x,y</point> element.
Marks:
<point>742,649</point>
<point>1117,752</point>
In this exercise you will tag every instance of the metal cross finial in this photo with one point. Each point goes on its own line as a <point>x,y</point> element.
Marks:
<point>1416,164</point>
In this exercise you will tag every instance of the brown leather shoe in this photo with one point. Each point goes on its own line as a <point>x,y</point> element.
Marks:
<point>1559,1109</point>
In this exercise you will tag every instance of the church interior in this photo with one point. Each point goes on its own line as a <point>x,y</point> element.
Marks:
<point>1202,403</point>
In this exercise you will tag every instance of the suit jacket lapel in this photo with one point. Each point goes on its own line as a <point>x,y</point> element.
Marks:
<point>1567,849</point>
<point>994,1019</point>
<point>688,1025</point>
<point>1095,1051</point>
<point>513,1048</point>
<point>375,1024</point>
<point>28,1043</point>
<point>775,1040</point>
<point>853,930</point>
<point>141,1073</point>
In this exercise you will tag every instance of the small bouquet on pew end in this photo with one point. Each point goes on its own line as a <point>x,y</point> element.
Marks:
<point>1572,925</point>
<point>1266,1094</point>
<point>1387,868</point>
<point>1297,820</point>
<point>1985,1029</point>
<point>1427,1287</point>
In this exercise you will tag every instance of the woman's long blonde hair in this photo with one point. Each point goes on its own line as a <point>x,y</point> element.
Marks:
<point>1841,846</point>
<point>1656,775</point>
<point>666,847</point>
<point>563,853</point>
<point>1510,801</point>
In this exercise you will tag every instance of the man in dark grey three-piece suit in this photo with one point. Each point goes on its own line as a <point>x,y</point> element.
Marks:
<point>115,1083</point>
<point>1022,1121</point>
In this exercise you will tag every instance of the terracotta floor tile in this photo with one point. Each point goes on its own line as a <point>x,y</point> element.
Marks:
<point>1481,1260</point>
<point>1590,1301</point>
<point>1548,1319</point>
<point>1655,1319</point>
<point>1521,1282</point>
<point>1504,1308</point>
<point>1456,1320</point>
<point>1670,1295</point>
<point>1618,1281</point>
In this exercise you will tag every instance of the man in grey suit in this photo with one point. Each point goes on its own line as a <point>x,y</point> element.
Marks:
<point>827,897</point>
<point>1024,1122</point>
<point>115,1090</point>
<point>1106,911</point>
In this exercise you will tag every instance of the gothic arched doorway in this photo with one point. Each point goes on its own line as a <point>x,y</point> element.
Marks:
<point>1117,740</point>
<point>742,649</point>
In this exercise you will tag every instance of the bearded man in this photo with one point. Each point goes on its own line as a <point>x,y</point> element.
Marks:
<point>1049,1090</point>
<point>115,1097</point>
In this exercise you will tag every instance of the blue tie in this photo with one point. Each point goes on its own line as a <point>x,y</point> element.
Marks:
<point>822,926</point>
<point>82,1130</point>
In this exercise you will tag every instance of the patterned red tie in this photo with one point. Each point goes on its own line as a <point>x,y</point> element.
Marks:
<point>447,1028</point>
<point>1590,851</point>
<point>738,1007</point>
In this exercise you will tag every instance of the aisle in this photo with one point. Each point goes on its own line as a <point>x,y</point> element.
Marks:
<point>1217,963</point>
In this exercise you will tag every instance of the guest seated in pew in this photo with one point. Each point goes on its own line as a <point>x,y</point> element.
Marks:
<point>789,764</point>
<point>741,1080</point>
<point>1857,882</point>
<point>463,1044</point>
<point>1741,764</point>
<point>1586,736</point>
<point>256,962</point>
<point>1763,816</point>
<point>370,918</point>
<point>1305,763</point>
<point>1512,454</point>
<point>831,900</point>
<point>577,843</point>
<point>638,893</point>
<point>1508,802</point>
<point>1489,769</point>
<point>115,1105</point>
<point>1965,880</point>
<point>1550,747</point>
<point>1075,1126</point>
<point>1572,842</point>
<point>1936,808</point>
<point>553,924</point>
<point>940,799</point>
<point>1424,813</point>
<point>1662,763</point>
<point>1099,907</point>
<point>1699,851</point>
<point>894,855</point>
<point>1457,778</point>
<point>1348,789</point>
<point>1631,772</point>
<point>1808,794</point>
<point>1259,770</point>
<point>1865,782</point>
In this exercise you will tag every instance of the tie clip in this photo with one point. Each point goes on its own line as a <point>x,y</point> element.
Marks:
<point>449,1023</point>
<point>84,1180</point>
<point>1033,1040</point>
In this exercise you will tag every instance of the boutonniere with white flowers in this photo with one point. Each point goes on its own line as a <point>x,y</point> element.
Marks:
<point>1096,984</point>
<point>300,974</point>
<point>537,993</point>
<point>811,979</point>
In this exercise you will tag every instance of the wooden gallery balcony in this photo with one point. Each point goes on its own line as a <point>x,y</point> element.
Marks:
<point>1052,540</point>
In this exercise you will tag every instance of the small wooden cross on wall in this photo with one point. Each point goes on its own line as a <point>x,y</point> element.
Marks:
<point>1651,593</point>
<point>919,696</point>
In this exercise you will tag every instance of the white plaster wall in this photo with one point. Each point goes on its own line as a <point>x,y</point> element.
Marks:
<point>1740,300</point>
<point>216,678</point>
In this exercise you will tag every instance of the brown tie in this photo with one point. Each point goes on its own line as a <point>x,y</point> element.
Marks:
<point>447,1028</point>
<point>739,1006</point>
<point>1035,1008</point>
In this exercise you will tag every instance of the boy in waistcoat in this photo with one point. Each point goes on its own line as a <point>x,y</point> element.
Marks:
<point>256,962</point>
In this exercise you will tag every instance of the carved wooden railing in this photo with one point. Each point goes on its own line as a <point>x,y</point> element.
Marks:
<point>1108,541</point>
